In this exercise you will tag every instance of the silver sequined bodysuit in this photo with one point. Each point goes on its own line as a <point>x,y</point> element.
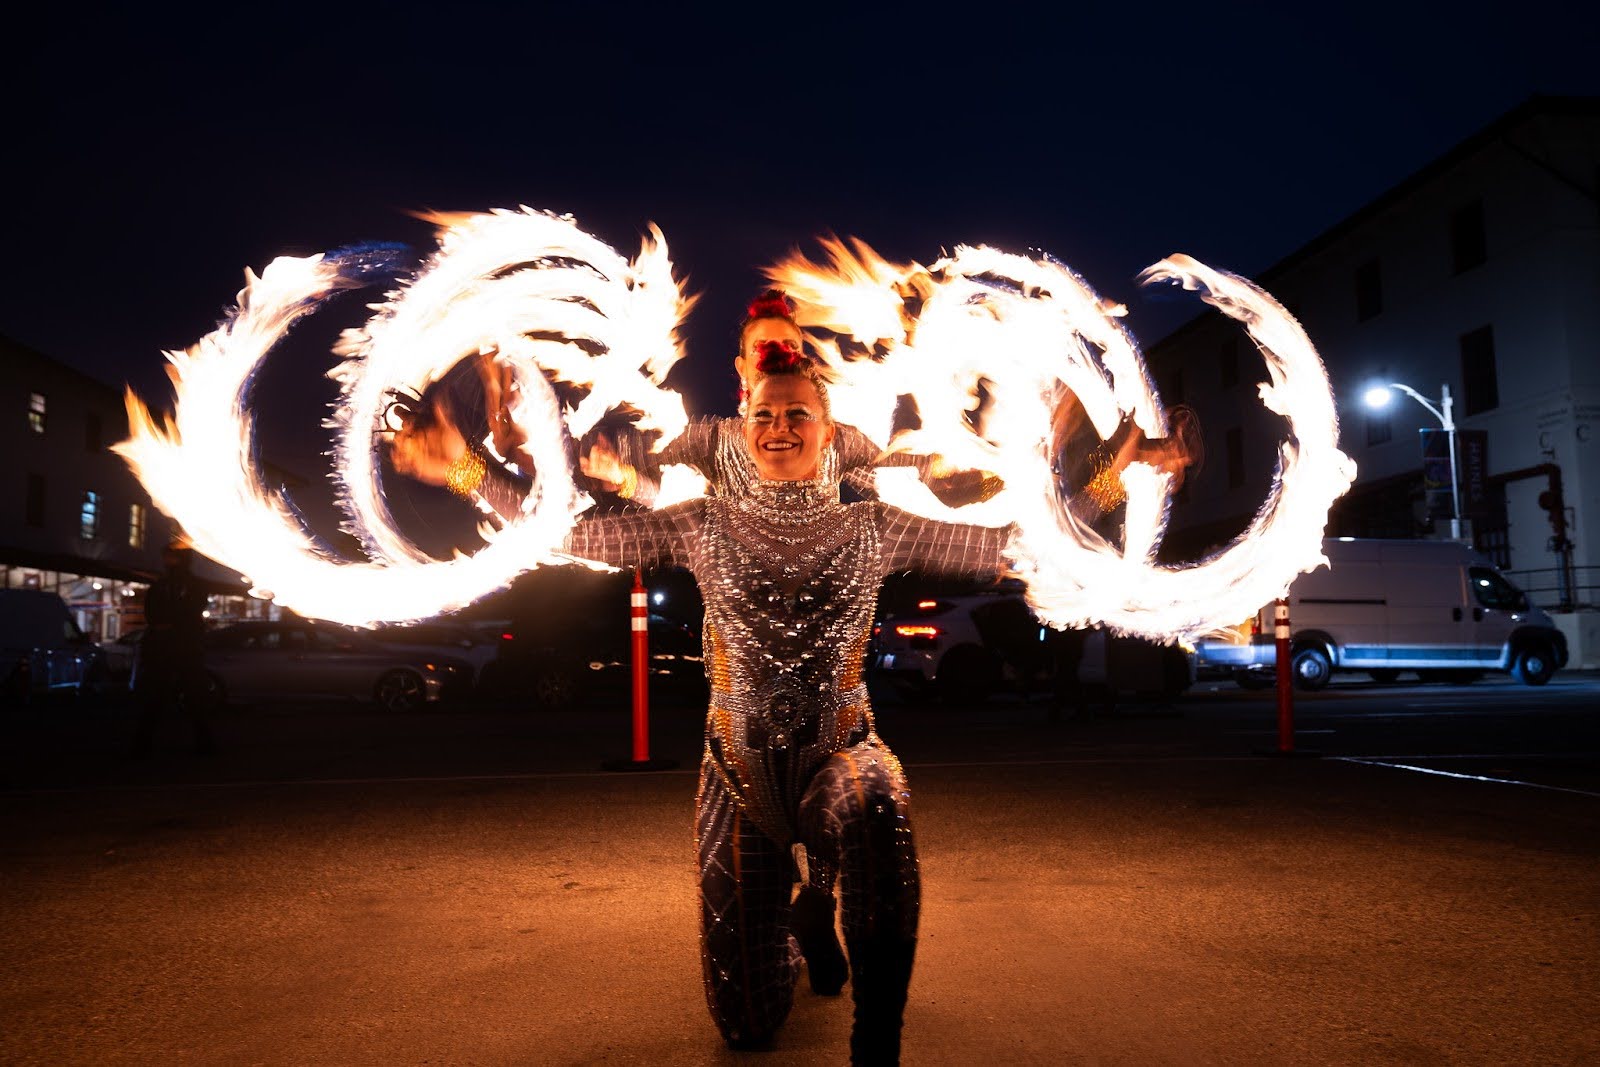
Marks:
<point>789,576</point>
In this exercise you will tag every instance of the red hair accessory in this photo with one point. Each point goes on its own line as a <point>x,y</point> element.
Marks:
<point>771,304</point>
<point>778,357</point>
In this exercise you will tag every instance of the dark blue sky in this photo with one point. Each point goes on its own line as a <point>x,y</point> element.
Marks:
<point>151,157</point>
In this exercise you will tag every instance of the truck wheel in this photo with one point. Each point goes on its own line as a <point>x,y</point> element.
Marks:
<point>967,675</point>
<point>1312,668</point>
<point>1533,665</point>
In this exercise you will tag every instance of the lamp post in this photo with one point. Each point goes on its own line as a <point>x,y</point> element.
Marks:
<point>1378,397</point>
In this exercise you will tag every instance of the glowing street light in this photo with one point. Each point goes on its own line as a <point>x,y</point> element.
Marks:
<point>1378,397</point>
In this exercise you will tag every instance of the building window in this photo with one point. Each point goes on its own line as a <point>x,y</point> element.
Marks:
<point>91,432</point>
<point>1478,379</point>
<point>1228,362</point>
<point>36,412</point>
<point>136,526</point>
<point>34,509</point>
<point>1378,429</point>
<point>89,515</point>
<point>1468,245</point>
<point>1233,445</point>
<point>1369,291</point>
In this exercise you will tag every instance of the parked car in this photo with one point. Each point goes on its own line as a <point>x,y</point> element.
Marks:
<point>591,660</point>
<point>565,637</point>
<point>964,648</point>
<point>42,651</point>
<point>122,656</point>
<point>1434,607</point>
<point>295,659</point>
<point>448,639</point>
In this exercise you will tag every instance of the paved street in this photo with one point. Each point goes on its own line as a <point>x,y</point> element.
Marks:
<point>465,886</point>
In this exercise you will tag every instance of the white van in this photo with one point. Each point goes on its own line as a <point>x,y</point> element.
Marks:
<point>1434,607</point>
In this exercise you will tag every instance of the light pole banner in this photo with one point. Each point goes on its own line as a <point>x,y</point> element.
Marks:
<point>1436,474</point>
<point>1472,459</point>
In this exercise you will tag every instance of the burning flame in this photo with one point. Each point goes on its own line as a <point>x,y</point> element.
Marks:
<point>548,294</point>
<point>984,343</point>
<point>1027,329</point>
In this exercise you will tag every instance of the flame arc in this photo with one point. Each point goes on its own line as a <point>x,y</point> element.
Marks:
<point>515,279</point>
<point>983,344</point>
<point>1029,328</point>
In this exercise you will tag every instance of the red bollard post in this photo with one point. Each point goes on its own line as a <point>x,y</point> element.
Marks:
<point>639,620</point>
<point>641,672</point>
<point>1280,632</point>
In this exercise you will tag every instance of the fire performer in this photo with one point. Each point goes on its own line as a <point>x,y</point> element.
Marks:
<point>715,448</point>
<point>789,575</point>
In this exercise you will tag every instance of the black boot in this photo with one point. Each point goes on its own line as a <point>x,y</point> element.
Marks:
<point>811,922</point>
<point>882,969</point>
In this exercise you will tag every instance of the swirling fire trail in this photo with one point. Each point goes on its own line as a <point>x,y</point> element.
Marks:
<point>983,343</point>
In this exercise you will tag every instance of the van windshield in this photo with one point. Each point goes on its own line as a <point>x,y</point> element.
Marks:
<point>1493,591</point>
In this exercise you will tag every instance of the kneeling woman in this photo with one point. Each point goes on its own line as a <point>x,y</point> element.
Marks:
<point>789,576</point>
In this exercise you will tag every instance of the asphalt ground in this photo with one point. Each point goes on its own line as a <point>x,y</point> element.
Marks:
<point>342,887</point>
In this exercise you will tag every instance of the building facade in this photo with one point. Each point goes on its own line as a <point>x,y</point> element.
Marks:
<point>76,522</point>
<point>1480,276</point>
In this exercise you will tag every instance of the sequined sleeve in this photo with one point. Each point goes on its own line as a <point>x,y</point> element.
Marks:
<point>695,447</point>
<point>911,542</point>
<point>859,456</point>
<point>662,538</point>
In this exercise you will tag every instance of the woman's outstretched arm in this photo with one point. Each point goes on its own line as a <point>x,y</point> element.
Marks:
<point>956,550</point>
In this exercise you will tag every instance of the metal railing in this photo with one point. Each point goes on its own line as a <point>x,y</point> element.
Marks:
<point>1549,588</point>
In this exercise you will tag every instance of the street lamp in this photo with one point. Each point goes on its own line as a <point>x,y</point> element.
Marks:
<point>1378,397</point>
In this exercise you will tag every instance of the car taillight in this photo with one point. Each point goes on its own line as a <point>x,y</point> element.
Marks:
<point>917,631</point>
<point>506,637</point>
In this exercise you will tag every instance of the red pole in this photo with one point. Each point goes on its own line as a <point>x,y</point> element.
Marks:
<point>641,673</point>
<point>1280,631</point>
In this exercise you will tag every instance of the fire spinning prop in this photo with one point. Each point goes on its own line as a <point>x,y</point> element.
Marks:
<point>559,305</point>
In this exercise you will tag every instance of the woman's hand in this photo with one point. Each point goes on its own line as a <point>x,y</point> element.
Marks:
<point>424,448</point>
<point>602,464</point>
<point>499,396</point>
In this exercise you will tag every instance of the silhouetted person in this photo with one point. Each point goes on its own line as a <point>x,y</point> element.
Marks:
<point>171,671</point>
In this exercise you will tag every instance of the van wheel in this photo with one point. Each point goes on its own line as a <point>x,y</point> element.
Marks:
<point>1384,675</point>
<point>967,675</point>
<point>1533,665</point>
<point>1312,669</point>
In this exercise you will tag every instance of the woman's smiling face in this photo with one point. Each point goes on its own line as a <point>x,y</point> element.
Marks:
<point>786,427</point>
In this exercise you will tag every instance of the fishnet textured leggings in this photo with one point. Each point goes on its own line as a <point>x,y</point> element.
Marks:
<point>855,818</point>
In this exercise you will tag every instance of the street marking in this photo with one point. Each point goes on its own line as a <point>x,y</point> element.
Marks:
<point>1468,777</point>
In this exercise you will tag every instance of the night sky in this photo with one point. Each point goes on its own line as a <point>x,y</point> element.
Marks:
<point>152,156</point>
